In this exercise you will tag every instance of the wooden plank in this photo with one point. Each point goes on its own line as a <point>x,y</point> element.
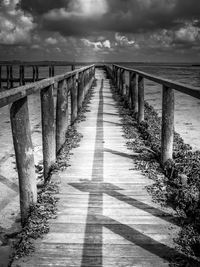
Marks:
<point>24,155</point>
<point>48,129</point>
<point>105,215</point>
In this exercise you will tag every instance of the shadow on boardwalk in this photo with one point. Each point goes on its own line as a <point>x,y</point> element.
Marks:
<point>93,240</point>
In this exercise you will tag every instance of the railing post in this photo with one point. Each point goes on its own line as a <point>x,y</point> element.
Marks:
<point>61,114</point>
<point>0,76</point>
<point>50,71</point>
<point>72,67</point>
<point>33,67</point>
<point>11,76</point>
<point>140,99</point>
<point>74,97</point>
<point>53,70</point>
<point>37,73</point>
<point>84,84</point>
<point>24,155</point>
<point>122,78</point>
<point>48,129</point>
<point>118,79</point>
<point>121,82</point>
<point>167,124</point>
<point>8,76</point>
<point>133,91</point>
<point>80,90</point>
<point>21,75</point>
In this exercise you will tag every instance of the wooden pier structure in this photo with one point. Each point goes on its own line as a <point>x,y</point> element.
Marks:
<point>13,75</point>
<point>105,215</point>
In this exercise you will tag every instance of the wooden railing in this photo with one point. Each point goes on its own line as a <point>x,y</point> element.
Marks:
<point>8,76</point>
<point>75,84</point>
<point>136,100</point>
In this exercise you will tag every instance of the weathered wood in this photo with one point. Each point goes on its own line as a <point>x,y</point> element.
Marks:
<point>140,99</point>
<point>80,89</point>
<point>186,89</point>
<point>48,129</point>
<point>118,79</point>
<point>102,220</point>
<point>122,80</point>
<point>84,83</point>
<point>11,76</point>
<point>50,71</point>
<point>53,71</point>
<point>74,98</point>
<point>22,81</point>
<point>133,92</point>
<point>61,114</point>
<point>24,155</point>
<point>34,72</point>
<point>8,76</point>
<point>37,73</point>
<point>167,124</point>
<point>17,93</point>
<point>0,77</point>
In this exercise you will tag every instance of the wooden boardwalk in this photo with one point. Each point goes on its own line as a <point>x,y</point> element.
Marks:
<point>105,215</point>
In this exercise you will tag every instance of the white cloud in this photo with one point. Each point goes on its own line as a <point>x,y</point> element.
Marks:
<point>90,7</point>
<point>97,45</point>
<point>15,26</point>
<point>189,33</point>
<point>51,41</point>
<point>124,41</point>
<point>107,44</point>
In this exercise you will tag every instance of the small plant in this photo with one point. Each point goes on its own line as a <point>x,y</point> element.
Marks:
<point>177,183</point>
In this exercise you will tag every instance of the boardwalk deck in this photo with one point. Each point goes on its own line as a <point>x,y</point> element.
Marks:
<point>105,215</point>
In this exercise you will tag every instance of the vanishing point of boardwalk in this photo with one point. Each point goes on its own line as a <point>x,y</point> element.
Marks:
<point>105,215</point>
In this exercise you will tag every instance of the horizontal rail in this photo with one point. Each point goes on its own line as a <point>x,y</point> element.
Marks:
<point>134,94</point>
<point>14,94</point>
<point>41,63</point>
<point>71,86</point>
<point>186,89</point>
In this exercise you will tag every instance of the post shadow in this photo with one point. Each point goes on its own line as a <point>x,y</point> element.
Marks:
<point>92,247</point>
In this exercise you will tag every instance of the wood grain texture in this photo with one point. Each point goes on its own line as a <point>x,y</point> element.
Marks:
<point>105,215</point>
<point>21,133</point>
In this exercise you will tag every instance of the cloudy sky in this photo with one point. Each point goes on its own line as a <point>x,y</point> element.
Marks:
<point>93,30</point>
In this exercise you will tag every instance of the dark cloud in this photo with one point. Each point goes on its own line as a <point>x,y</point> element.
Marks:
<point>187,9</point>
<point>161,25</point>
<point>38,7</point>
<point>123,16</point>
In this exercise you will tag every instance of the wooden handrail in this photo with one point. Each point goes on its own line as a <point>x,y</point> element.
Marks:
<point>186,89</point>
<point>14,94</point>
<point>53,129</point>
<point>136,100</point>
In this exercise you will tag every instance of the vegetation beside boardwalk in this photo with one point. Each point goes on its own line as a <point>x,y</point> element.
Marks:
<point>46,208</point>
<point>177,183</point>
